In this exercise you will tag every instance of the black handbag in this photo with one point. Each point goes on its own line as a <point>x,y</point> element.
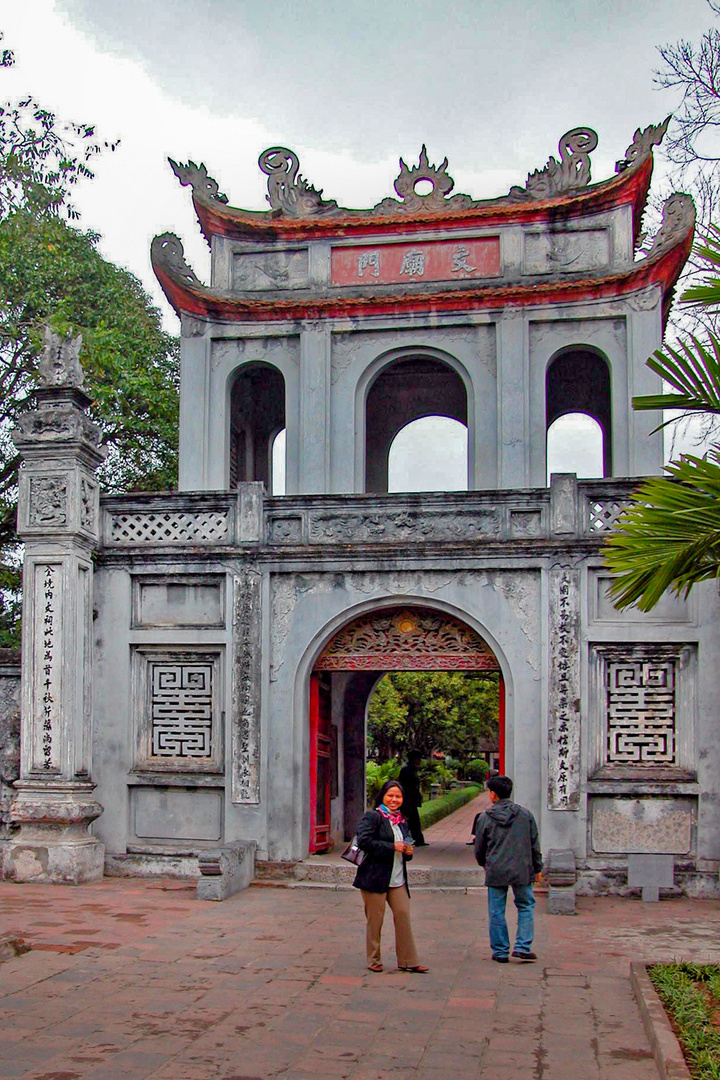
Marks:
<point>354,854</point>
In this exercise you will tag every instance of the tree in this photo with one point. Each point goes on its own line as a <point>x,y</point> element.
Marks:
<point>670,536</point>
<point>52,273</point>
<point>441,710</point>
<point>690,145</point>
<point>41,158</point>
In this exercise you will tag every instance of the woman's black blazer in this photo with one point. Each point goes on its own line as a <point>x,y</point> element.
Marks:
<point>376,837</point>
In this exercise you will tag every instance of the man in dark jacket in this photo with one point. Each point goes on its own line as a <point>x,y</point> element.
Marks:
<point>413,796</point>
<point>506,844</point>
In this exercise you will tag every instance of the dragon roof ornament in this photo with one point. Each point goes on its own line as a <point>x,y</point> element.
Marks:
<point>196,177</point>
<point>291,195</point>
<point>642,144</point>
<point>167,253</point>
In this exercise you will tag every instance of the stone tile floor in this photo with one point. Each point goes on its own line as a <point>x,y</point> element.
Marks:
<point>130,979</point>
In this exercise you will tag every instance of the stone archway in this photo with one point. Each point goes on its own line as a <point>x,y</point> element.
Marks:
<point>398,638</point>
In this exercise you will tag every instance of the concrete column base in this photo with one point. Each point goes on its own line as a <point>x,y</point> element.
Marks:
<point>52,845</point>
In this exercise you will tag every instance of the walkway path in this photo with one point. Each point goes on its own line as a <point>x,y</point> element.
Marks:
<point>128,980</point>
<point>448,839</point>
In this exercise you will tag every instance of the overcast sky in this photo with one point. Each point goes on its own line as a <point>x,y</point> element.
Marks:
<point>349,86</point>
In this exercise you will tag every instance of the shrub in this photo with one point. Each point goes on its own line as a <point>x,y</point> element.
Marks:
<point>476,769</point>
<point>376,775</point>
<point>437,809</point>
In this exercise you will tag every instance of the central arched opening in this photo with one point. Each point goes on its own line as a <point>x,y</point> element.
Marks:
<point>405,391</point>
<point>397,651</point>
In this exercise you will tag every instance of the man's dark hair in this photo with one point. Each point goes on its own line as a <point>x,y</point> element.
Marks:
<point>386,787</point>
<point>415,756</point>
<point>501,785</point>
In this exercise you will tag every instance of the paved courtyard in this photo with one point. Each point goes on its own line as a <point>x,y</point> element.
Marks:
<point>131,979</point>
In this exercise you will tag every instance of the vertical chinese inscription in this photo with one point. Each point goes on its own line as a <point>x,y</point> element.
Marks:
<point>563,713</point>
<point>246,688</point>
<point>47,681</point>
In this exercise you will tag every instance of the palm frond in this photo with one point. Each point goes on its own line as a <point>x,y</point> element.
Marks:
<point>692,370</point>
<point>670,537</point>
<point>707,293</point>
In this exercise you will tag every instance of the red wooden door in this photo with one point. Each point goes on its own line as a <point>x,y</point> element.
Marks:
<point>319,763</point>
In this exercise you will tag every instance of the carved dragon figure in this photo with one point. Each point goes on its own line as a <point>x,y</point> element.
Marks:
<point>570,172</point>
<point>288,192</point>
<point>642,144</point>
<point>196,176</point>
<point>167,252</point>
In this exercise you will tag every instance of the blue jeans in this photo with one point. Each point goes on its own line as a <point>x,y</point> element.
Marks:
<point>524,902</point>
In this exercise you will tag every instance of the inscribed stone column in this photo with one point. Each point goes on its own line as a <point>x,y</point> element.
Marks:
<point>58,520</point>
<point>564,654</point>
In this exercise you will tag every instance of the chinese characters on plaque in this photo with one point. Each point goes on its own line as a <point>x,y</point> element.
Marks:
<point>436,260</point>
<point>563,718</point>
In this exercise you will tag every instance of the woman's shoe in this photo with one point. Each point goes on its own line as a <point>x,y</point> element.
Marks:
<point>375,967</point>
<point>417,968</point>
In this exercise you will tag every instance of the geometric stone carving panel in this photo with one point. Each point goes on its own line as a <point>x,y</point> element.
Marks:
<point>177,705</point>
<point>642,699</point>
<point>641,711</point>
<point>181,696</point>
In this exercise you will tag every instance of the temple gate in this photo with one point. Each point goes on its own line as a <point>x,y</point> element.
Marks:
<point>214,619</point>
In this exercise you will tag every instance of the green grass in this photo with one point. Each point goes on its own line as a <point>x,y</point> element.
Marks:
<point>436,809</point>
<point>691,996</point>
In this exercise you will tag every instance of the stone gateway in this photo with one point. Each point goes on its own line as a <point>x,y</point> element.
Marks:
<point>197,664</point>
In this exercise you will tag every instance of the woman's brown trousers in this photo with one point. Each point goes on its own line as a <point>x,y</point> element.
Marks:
<point>399,902</point>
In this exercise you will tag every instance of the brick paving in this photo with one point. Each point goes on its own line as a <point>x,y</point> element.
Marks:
<point>134,979</point>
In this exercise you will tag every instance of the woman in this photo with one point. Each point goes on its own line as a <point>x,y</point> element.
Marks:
<point>384,836</point>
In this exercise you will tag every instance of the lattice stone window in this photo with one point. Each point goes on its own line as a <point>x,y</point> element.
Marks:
<point>643,694</point>
<point>177,706</point>
<point>603,514</point>
<point>168,527</point>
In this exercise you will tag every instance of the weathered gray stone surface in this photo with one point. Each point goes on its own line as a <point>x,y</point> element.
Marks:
<point>9,732</point>
<point>651,873</point>
<point>58,519</point>
<point>225,871</point>
<point>561,873</point>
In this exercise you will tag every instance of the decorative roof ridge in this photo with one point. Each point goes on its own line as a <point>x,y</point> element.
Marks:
<point>292,198</point>
<point>673,238</point>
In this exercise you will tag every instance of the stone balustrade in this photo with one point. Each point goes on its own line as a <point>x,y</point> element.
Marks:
<point>567,510</point>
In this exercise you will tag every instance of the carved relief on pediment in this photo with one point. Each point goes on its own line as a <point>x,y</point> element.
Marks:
<point>48,501</point>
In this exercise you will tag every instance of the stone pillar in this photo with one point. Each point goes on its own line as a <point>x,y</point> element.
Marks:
<point>314,409</point>
<point>58,520</point>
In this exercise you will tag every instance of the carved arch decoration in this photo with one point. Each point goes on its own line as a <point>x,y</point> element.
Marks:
<point>407,639</point>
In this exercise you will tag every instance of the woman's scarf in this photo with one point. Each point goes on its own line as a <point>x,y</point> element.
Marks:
<point>393,816</point>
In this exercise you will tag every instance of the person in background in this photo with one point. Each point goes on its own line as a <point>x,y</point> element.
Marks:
<point>410,782</point>
<point>384,836</point>
<point>506,844</point>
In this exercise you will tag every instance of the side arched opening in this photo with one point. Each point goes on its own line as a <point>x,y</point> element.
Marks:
<point>577,381</point>
<point>257,416</point>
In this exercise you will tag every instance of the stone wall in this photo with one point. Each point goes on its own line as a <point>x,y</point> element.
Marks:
<point>9,731</point>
